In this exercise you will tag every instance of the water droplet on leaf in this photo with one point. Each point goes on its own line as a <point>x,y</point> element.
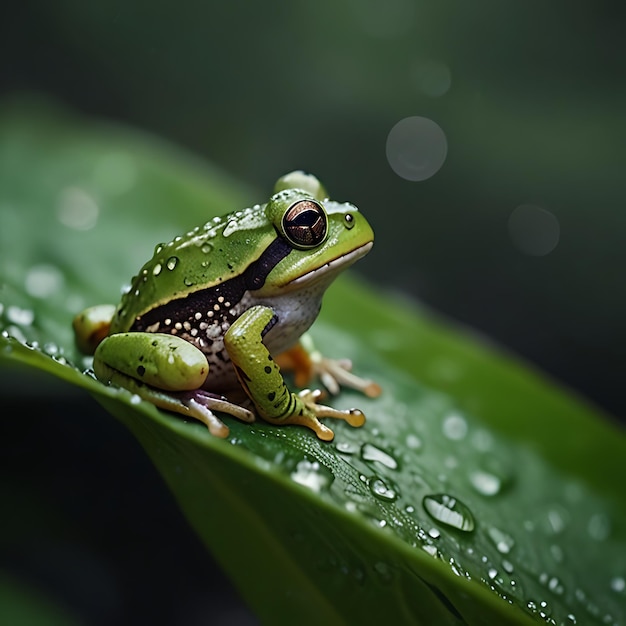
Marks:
<point>370,452</point>
<point>449,511</point>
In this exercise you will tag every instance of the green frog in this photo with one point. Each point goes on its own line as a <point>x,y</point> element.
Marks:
<point>221,309</point>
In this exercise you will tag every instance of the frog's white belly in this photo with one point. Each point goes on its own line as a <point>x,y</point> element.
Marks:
<point>294,311</point>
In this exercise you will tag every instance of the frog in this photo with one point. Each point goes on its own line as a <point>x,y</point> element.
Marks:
<point>213,322</point>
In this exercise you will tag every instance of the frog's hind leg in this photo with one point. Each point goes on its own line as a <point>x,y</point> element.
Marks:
<point>200,405</point>
<point>196,403</point>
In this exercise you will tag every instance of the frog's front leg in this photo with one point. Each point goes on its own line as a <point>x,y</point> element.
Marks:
<point>260,376</point>
<point>166,371</point>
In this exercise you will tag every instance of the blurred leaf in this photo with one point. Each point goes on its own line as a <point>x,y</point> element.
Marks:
<point>353,531</point>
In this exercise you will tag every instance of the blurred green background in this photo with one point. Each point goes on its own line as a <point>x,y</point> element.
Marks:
<point>516,226</point>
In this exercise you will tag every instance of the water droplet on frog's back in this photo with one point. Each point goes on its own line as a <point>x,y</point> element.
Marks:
<point>171,262</point>
<point>449,511</point>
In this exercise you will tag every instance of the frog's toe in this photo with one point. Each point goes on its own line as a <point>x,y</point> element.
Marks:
<point>202,413</point>
<point>335,374</point>
<point>354,417</point>
<point>200,405</point>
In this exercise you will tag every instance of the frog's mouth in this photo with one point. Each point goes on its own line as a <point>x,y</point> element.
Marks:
<point>329,270</point>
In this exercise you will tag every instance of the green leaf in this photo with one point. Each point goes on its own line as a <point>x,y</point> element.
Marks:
<point>476,492</point>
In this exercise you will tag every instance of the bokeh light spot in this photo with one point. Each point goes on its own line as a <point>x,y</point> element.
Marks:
<point>77,209</point>
<point>534,230</point>
<point>416,148</point>
<point>432,78</point>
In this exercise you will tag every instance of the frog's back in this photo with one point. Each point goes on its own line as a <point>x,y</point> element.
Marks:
<point>205,257</point>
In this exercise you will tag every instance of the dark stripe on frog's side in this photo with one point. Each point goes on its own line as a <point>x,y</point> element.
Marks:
<point>184,309</point>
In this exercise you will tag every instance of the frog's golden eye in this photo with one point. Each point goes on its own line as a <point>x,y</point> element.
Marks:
<point>304,224</point>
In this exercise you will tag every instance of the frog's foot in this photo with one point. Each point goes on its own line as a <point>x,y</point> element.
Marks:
<point>337,373</point>
<point>312,411</point>
<point>200,405</point>
<point>307,362</point>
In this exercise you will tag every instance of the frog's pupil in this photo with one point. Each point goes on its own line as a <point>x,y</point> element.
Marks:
<point>305,223</point>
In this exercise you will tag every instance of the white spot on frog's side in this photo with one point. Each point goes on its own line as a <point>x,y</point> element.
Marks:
<point>77,209</point>
<point>533,230</point>
<point>43,280</point>
<point>432,78</point>
<point>416,148</point>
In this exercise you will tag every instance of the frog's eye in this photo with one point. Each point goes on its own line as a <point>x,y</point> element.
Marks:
<point>304,224</point>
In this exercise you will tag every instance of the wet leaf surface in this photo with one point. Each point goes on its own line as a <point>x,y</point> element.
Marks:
<point>477,492</point>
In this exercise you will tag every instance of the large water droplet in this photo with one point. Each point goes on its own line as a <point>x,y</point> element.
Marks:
<point>618,584</point>
<point>449,511</point>
<point>171,262</point>
<point>382,490</point>
<point>370,452</point>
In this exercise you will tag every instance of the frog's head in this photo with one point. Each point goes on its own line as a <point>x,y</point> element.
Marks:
<point>318,237</point>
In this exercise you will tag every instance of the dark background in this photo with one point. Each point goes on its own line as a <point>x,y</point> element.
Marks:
<point>531,97</point>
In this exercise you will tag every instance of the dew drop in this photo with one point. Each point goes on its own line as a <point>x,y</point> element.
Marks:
<point>450,511</point>
<point>206,247</point>
<point>504,543</point>
<point>171,262</point>
<point>618,584</point>
<point>454,427</point>
<point>381,490</point>
<point>17,315</point>
<point>599,527</point>
<point>432,550</point>
<point>413,442</point>
<point>43,280</point>
<point>310,474</point>
<point>158,248</point>
<point>156,270</point>
<point>485,483</point>
<point>346,447</point>
<point>370,452</point>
